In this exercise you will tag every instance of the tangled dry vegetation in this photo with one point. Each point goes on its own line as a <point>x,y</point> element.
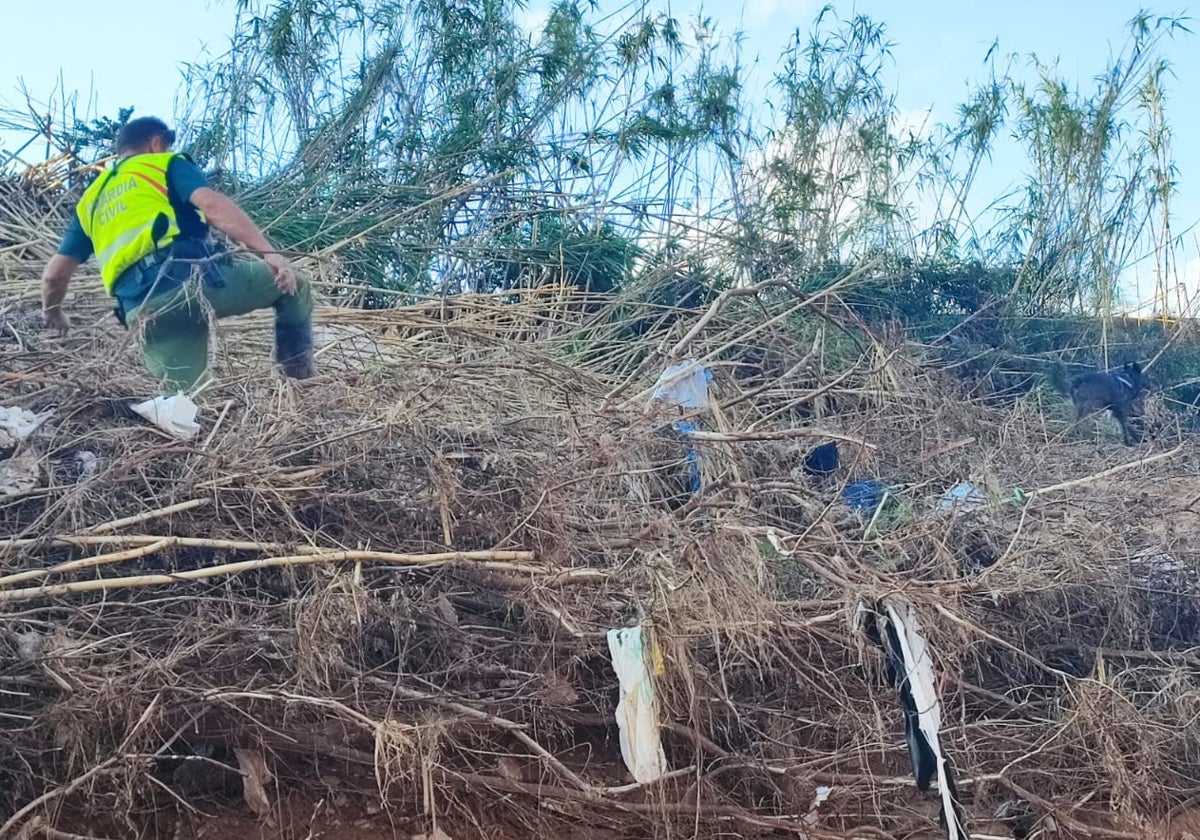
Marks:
<point>381,597</point>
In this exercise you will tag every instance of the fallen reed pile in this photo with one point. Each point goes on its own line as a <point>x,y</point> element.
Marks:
<point>389,590</point>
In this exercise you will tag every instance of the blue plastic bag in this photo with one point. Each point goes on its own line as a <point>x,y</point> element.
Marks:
<point>695,483</point>
<point>864,496</point>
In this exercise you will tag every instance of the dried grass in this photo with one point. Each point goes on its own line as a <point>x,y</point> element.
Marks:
<point>510,440</point>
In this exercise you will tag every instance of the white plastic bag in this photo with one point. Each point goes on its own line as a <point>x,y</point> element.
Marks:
<point>174,415</point>
<point>16,424</point>
<point>962,497</point>
<point>637,711</point>
<point>684,385</point>
<point>823,792</point>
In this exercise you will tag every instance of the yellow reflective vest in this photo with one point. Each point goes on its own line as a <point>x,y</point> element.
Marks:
<point>127,213</point>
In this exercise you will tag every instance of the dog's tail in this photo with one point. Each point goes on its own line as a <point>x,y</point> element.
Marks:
<point>1057,378</point>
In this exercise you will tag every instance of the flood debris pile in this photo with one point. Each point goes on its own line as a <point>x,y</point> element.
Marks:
<point>424,588</point>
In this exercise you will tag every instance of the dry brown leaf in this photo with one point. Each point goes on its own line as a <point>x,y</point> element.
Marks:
<point>19,475</point>
<point>255,778</point>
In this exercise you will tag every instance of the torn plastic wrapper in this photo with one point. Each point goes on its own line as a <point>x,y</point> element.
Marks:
<point>86,463</point>
<point>174,415</point>
<point>637,709</point>
<point>822,460</point>
<point>16,424</point>
<point>864,496</point>
<point>922,683</point>
<point>962,497</point>
<point>910,670</point>
<point>822,793</point>
<point>684,385</point>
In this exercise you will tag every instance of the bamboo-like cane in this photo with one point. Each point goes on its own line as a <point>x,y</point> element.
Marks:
<point>484,557</point>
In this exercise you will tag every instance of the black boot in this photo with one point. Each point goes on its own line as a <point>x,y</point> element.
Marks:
<point>294,350</point>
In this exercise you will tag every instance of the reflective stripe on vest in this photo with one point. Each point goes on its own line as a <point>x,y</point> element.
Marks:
<point>127,214</point>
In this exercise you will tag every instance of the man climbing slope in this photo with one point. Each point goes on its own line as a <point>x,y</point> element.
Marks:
<point>146,219</point>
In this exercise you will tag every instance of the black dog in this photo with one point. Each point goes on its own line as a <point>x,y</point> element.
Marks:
<point>1117,390</point>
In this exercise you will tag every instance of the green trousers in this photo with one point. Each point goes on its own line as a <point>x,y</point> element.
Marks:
<point>174,323</point>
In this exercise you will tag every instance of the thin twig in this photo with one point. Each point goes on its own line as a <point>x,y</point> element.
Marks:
<point>776,434</point>
<point>1120,468</point>
<point>217,425</point>
<point>117,524</point>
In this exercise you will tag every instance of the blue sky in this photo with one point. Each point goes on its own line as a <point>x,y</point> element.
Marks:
<point>938,49</point>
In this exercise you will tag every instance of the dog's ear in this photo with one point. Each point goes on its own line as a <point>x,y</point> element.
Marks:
<point>1134,368</point>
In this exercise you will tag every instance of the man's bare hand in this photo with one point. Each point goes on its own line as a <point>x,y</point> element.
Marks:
<point>224,214</point>
<point>57,320</point>
<point>56,276</point>
<point>284,274</point>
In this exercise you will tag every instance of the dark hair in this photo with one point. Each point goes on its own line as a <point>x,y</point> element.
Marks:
<point>137,134</point>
